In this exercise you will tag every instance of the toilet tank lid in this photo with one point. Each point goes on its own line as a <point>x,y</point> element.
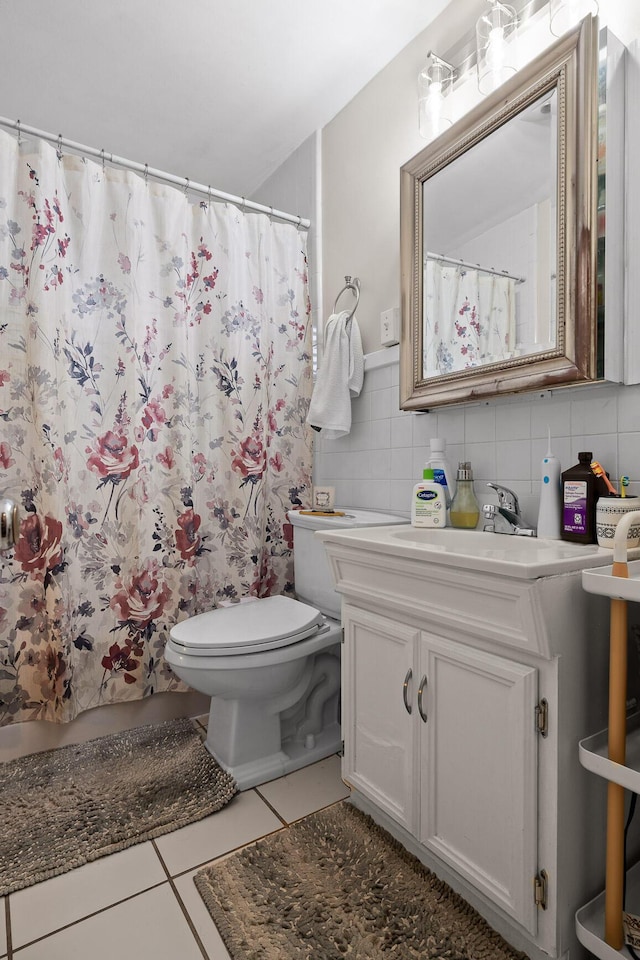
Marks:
<point>245,625</point>
<point>352,518</point>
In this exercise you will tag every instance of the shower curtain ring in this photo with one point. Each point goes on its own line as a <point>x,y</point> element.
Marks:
<point>186,185</point>
<point>146,174</point>
<point>59,147</point>
<point>209,196</point>
<point>19,132</point>
<point>243,208</point>
<point>102,158</point>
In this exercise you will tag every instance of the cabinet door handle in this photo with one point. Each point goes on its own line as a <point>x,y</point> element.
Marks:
<point>423,684</point>
<point>405,690</point>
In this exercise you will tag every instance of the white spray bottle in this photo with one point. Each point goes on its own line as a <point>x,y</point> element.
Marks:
<point>549,513</point>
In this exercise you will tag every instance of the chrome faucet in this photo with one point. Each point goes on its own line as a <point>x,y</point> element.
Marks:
<point>505,518</point>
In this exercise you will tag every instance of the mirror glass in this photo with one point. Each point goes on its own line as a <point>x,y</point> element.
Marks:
<point>498,238</point>
<point>490,256</point>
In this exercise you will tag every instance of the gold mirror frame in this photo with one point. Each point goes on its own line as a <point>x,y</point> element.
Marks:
<point>570,66</point>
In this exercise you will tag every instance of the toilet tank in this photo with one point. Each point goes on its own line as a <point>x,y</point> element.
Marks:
<point>313,580</point>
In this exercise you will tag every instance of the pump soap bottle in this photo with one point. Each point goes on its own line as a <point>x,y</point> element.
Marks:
<point>428,504</point>
<point>549,513</point>
<point>465,511</point>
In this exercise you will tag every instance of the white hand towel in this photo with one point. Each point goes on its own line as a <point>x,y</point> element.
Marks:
<point>340,377</point>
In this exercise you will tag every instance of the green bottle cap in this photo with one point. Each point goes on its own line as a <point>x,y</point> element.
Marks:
<point>427,473</point>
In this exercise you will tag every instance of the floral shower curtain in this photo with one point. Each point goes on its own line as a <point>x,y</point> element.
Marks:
<point>155,376</point>
<point>469,318</point>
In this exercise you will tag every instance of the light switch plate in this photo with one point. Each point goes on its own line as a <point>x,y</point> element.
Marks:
<point>390,327</point>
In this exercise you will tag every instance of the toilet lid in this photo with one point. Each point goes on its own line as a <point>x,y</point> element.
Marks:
<point>246,627</point>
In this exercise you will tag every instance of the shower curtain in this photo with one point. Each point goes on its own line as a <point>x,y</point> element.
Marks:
<point>469,318</point>
<point>155,376</point>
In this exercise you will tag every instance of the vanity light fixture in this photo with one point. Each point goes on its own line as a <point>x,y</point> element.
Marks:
<point>565,14</point>
<point>435,81</point>
<point>496,46</point>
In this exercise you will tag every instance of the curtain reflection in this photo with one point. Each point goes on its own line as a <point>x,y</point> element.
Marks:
<point>469,318</point>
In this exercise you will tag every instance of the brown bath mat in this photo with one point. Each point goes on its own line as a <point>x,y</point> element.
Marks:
<point>62,808</point>
<point>337,885</point>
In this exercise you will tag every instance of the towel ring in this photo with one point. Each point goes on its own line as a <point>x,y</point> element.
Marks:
<point>352,284</point>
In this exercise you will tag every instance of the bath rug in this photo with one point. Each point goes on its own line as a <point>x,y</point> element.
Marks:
<point>63,808</point>
<point>337,885</point>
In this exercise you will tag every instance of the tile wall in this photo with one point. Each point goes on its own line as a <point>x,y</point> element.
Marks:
<point>376,465</point>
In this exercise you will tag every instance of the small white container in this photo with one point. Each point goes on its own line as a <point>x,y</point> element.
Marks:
<point>428,503</point>
<point>609,510</point>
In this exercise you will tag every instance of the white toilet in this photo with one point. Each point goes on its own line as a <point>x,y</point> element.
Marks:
<point>272,666</point>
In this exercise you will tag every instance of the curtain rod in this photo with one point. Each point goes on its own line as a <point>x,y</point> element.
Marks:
<point>148,171</point>
<point>473,266</point>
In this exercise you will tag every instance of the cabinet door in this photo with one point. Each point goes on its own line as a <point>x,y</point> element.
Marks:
<point>380,750</point>
<point>478,775</point>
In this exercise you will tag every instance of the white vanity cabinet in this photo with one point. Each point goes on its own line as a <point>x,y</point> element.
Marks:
<point>465,692</point>
<point>442,738</point>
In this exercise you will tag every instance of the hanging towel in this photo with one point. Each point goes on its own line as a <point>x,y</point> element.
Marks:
<point>340,377</point>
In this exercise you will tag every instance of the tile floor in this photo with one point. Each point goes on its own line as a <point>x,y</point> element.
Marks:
<point>141,903</point>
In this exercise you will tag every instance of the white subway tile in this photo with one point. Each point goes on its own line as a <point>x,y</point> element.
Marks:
<point>479,424</point>
<point>379,464</point>
<point>402,431</point>
<point>593,413</point>
<point>381,438</point>
<point>384,403</point>
<point>451,425</point>
<point>361,435</point>
<point>628,409</point>
<point>361,408</point>
<point>400,496</point>
<point>513,421</point>
<point>378,379</point>
<point>513,460</point>
<point>372,495</point>
<point>401,467</point>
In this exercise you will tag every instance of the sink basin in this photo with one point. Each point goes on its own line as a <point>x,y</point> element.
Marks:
<point>522,557</point>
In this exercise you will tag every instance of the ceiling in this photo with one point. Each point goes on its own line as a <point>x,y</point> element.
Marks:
<point>220,91</point>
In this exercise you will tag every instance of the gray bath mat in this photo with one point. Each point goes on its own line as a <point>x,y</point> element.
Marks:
<point>62,808</point>
<point>337,885</point>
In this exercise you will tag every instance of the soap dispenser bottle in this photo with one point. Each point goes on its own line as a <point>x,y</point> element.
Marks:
<point>465,511</point>
<point>428,504</point>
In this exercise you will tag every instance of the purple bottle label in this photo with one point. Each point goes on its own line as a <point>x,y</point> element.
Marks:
<point>574,509</point>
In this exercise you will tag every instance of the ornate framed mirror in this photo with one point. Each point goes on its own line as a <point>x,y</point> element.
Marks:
<point>498,238</point>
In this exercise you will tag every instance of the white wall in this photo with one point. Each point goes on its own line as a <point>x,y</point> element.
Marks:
<point>362,151</point>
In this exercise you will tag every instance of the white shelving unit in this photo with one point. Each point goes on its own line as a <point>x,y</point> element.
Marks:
<point>593,752</point>
<point>590,919</point>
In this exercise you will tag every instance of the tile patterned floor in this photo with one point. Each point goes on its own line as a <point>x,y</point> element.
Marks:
<point>141,903</point>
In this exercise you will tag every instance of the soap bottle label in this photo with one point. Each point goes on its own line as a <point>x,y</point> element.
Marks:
<point>439,476</point>
<point>574,508</point>
<point>428,507</point>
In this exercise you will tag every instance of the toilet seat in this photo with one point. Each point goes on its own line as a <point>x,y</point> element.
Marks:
<point>246,628</point>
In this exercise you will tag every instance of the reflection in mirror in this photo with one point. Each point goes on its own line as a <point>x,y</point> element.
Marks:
<point>498,238</point>
<point>489,259</point>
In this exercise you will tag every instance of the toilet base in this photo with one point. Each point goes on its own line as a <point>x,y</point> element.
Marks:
<point>293,756</point>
